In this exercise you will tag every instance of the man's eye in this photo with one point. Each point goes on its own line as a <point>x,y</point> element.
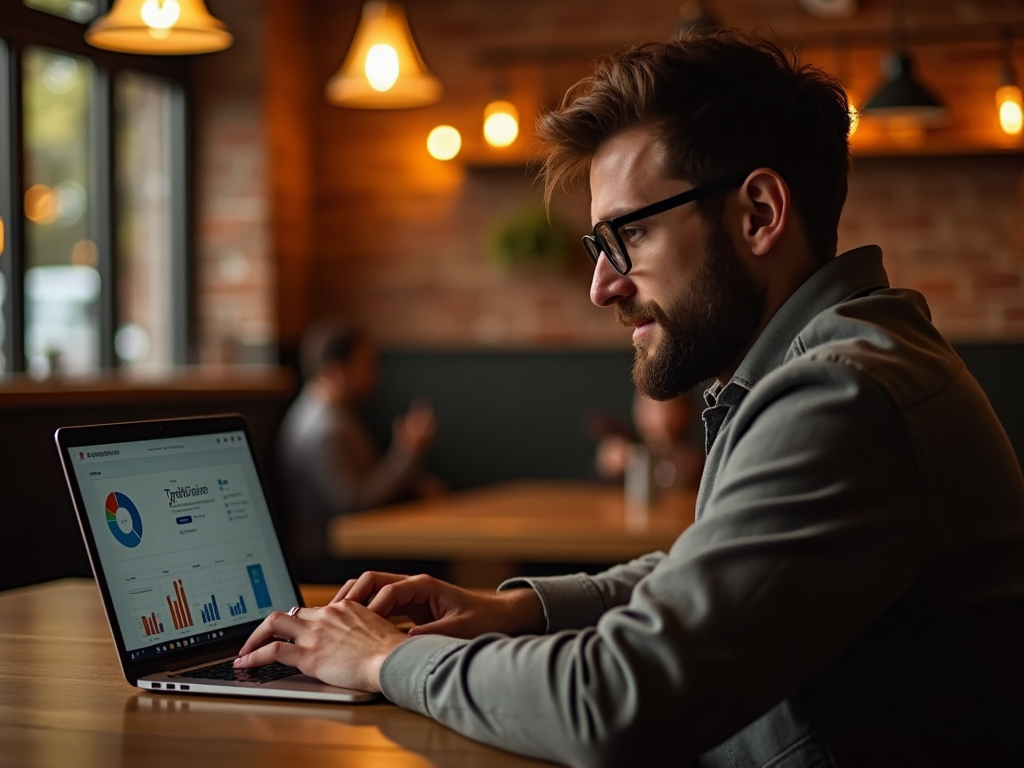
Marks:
<point>631,235</point>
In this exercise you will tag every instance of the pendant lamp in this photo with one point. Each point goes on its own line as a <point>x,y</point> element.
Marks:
<point>163,27</point>
<point>901,95</point>
<point>383,69</point>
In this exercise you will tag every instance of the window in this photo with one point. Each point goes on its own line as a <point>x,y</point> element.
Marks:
<point>93,232</point>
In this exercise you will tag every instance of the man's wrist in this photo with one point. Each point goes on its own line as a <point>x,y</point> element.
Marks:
<point>525,611</point>
<point>376,661</point>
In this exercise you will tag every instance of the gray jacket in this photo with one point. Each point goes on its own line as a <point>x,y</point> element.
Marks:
<point>851,594</point>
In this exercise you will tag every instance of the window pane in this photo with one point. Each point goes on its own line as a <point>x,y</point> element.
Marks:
<point>62,284</point>
<point>76,10</point>
<point>5,158</point>
<point>144,337</point>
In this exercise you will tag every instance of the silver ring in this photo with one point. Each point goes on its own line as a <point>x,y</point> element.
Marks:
<point>295,610</point>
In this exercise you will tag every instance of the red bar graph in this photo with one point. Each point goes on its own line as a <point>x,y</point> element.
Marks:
<point>180,613</point>
<point>152,624</point>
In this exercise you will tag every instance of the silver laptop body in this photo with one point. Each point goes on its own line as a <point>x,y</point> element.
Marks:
<point>185,551</point>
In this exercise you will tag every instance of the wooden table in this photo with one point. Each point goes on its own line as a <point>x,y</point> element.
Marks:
<point>64,702</point>
<point>485,532</point>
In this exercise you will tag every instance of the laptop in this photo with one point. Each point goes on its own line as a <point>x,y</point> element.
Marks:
<point>186,553</point>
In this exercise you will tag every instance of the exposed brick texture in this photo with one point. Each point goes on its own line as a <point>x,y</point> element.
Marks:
<point>352,215</point>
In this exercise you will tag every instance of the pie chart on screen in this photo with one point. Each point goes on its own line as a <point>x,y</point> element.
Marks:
<point>124,519</point>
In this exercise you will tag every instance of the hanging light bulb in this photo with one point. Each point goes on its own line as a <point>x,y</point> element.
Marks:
<point>501,123</point>
<point>1011,113</point>
<point>166,27</point>
<point>1008,95</point>
<point>444,142</point>
<point>383,69</point>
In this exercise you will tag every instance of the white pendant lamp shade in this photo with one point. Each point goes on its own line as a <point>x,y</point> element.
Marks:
<point>167,27</point>
<point>383,69</point>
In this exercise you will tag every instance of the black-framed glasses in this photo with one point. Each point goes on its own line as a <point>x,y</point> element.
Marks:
<point>606,239</point>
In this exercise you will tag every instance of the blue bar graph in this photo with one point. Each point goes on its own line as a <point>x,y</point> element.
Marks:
<point>237,609</point>
<point>210,610</point>
<point>259,586</point>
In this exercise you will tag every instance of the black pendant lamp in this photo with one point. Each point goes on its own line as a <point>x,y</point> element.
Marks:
<point>901,94</point>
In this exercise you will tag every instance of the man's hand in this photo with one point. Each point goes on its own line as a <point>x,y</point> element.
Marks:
<point>439,608</point>
<point>342,644</point>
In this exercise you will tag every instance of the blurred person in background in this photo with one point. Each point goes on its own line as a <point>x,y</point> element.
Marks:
<point>662,429</point>
<point>328,460</point>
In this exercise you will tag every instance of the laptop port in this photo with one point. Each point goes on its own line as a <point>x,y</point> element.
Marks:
<point>170,686</point>
<point>156,685</point>
<point>184,687</point>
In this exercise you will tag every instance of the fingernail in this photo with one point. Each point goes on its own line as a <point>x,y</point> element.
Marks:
<point>237,661</point>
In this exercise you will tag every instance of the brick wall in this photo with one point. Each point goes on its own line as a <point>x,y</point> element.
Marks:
<point>367,224</point>
<point>950,228</point>
<point>234,274</point>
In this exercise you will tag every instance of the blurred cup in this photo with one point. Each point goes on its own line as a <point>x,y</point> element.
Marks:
<point>639,483</point>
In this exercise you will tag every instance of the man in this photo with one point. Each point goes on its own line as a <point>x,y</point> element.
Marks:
<point>852,591</point>
<point>329,462</point>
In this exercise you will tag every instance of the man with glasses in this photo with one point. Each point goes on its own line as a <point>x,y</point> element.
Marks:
<point>852,591</point>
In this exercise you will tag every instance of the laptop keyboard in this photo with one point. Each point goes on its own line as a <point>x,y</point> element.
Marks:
<point>224,671</point>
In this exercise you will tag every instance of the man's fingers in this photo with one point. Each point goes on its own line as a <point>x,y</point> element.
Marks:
<point>367,585</point>
<point>391,598</point>
<point>346,588</point>
<point>277,626</point>
<point>285,653</point>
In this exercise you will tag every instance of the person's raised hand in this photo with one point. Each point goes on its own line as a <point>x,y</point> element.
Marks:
<point>342,644</point>
<point>416,429</point>
<point>439,608</point>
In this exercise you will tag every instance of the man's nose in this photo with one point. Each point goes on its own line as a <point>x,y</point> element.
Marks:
<point>608,287</point>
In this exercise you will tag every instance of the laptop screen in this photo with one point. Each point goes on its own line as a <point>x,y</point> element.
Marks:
<point>185,538</point>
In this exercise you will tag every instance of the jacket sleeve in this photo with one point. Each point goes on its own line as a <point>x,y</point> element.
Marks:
<point>813,528</point>
<point>577,600</point>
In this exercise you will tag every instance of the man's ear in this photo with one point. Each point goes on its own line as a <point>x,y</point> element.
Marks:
<point>767,210</point>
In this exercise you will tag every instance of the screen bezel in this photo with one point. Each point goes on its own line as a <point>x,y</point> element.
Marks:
<point>67,438</point>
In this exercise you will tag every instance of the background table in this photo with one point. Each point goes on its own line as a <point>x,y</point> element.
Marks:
<point>485,532</point>
<point>64,702</point>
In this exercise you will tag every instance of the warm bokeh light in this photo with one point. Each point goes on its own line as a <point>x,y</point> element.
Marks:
<point>382,67</point>
<point>501,123</point>
<point>854,118</point>
<point>906,131</point>
<point>1011,114</point>
<point>40,204</point>
<point>444,142</point>
<point>84,254</point>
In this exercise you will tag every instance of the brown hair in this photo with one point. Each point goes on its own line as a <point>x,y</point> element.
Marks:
<point>723,102</point>
<point>332,339</point>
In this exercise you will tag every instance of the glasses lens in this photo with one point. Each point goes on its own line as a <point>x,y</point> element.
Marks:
<point>611,246</point>
<point>592,248</point>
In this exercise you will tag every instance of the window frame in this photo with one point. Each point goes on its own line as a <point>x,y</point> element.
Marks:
<point>21,27</point>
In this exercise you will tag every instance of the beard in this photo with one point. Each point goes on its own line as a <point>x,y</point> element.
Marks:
<point>705,331</point>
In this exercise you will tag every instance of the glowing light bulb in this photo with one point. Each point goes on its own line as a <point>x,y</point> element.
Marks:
<point>1011,113</point>
<point>501,123</point>
<point>160,16</point>
<point>444,142</point>
<point>382,67</point>
<point>854,119</point>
